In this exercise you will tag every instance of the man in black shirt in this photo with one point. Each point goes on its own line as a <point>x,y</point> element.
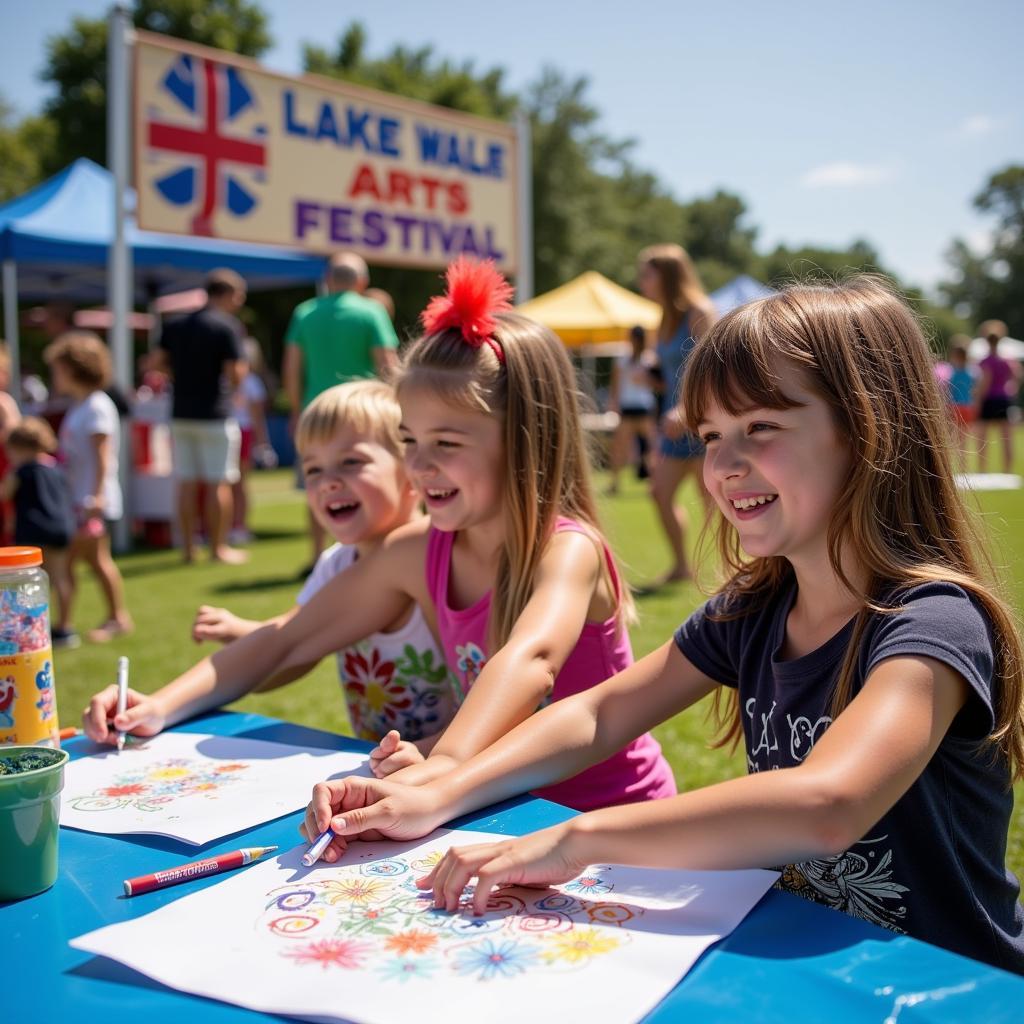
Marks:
<point>203,353</point>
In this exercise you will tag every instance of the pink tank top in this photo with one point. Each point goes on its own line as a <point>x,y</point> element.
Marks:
<point>637,772</point>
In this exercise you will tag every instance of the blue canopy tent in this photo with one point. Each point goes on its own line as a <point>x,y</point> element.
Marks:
<point>738,291</point>
<point>55,241</point>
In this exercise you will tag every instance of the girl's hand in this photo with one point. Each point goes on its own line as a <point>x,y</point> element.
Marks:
<point>673,424</point>
<point>217,624</point>
<point>543,858</point>
<point>369,809</point>
<point>143,716</point>
<point>393,754</point>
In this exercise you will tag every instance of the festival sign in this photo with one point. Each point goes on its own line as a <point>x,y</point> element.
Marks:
<point>226,149</point>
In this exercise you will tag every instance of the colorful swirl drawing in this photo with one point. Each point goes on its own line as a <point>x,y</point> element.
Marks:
<point>366,916</point>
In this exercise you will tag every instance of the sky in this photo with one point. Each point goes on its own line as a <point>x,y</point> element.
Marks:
<point>875,120</point>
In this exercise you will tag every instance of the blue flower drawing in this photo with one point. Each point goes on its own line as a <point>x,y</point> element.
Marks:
<point>496,959</point>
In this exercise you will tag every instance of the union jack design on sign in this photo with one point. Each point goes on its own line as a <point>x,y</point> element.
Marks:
<point>208,130</point>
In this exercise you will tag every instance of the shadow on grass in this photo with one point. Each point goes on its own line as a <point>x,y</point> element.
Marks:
<point>264,583</point>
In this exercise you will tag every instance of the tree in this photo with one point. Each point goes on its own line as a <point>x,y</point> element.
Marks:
<point>991,284</point>
<point>23,148</point>
<point>77,64</point>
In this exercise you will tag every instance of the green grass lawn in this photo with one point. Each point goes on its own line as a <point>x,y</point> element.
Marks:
<point>163,595</point>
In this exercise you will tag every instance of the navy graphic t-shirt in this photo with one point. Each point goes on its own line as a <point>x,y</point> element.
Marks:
<point>934,866</point>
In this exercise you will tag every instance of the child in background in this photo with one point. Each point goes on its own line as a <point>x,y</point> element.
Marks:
<point>356,488</point>
<point>962,387</point>
<point>998,387</point>
<point>250,410</point>
<point>90,438</point>
<point>633,398</point>
<point>44,517</point>
<point>511,565</point>
<point>876,679</point>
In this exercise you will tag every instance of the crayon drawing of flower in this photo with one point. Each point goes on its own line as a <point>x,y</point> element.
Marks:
<point>166,774</point>
<point>494,959</point>
<point>233,767</point>
<point>411,942</point>
<point>591,885</point>
<point>580,945</point>
<point>406,968</point>
<point>342,953</point>
<point>129,789</point>
<point>360,891</point>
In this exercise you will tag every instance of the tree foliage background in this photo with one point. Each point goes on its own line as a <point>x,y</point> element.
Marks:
<point>594,208</point>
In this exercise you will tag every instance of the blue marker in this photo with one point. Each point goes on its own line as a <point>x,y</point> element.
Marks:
<point>322,841</point>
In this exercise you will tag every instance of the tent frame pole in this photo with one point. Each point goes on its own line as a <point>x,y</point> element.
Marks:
<point>10,274</point>
<point>119,277</point>
<point>524,208</point>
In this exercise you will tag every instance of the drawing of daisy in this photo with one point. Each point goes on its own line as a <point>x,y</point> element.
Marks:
<point>342,953</point>
<point>590,885</point>
<point>166,774</point>
<point>361,891</point>
<point>580,945</point>
<point>411,942</point>
<point>405,968</point>
<point>495,959</point>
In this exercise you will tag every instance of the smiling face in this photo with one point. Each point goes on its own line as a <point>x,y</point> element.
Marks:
<point>454,458</point>
<point>776,474</point>
<point>356,487</point>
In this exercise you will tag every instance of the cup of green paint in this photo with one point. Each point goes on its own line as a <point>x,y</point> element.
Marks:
<point>31,779</point>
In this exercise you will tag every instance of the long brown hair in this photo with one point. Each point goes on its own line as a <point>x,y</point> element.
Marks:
<point>547,467</point>
<point>862,350</point>
<point>681,288</point>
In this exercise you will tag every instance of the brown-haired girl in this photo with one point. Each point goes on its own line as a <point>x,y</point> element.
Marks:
<point>90,436</point>
<point>872,671</point>
<point>511,567</point>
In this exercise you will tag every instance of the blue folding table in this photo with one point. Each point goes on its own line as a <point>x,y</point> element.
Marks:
<point>789,961</point>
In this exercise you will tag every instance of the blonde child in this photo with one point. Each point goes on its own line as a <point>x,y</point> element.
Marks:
<point>875,678</point>
<point>357,490</point>
<point>511,565</point>
<point>90,439</point>
<point>44,517</point>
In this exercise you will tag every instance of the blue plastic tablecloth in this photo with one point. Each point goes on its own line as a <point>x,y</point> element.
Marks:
<point>789,961</point>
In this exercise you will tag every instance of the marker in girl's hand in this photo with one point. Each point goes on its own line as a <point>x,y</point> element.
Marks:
<point>316,849</point>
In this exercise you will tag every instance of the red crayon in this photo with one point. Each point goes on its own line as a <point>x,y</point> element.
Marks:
<point>197,869</point>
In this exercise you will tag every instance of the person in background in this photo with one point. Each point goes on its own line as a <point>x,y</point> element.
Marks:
<point>10,417</point>
<point>1000,381</point>
<point>90,438</point>
<point>42,503</point>
<point>203,354</point>
<point>961,387</point>
<point>667,276</point>
<point>632,397</point>
<point>380,296</point>
<point>250,408</point>
<point>333,339</point>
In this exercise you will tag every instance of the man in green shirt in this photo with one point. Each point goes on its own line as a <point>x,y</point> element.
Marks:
<point>333,339</point>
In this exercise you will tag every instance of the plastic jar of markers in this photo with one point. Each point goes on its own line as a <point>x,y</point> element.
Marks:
<point>28,700</point>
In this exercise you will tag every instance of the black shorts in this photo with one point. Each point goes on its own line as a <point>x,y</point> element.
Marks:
<point>636,413</point>
<point>994,410</point>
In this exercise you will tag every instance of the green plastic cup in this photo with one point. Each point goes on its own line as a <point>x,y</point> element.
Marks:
<point>29,820</point>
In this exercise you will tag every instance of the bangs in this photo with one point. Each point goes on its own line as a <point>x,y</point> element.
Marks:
<point>735,366</point>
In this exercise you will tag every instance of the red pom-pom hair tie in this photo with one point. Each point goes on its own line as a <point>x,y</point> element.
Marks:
<point>474,293</point>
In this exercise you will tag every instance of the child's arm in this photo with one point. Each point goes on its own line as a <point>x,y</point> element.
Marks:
<point>559,741</point>
<point>393,753</point>
<point>517,678</point>
<point>9,486</point>
<point>360,601</point>
<point>101,445</point>
<point>860,767</point>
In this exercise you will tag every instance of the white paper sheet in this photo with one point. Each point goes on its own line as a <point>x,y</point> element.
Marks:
<point>196,787</point>
<point>357,941</point>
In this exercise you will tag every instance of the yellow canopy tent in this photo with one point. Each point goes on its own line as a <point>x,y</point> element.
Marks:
<point>590,309</point>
